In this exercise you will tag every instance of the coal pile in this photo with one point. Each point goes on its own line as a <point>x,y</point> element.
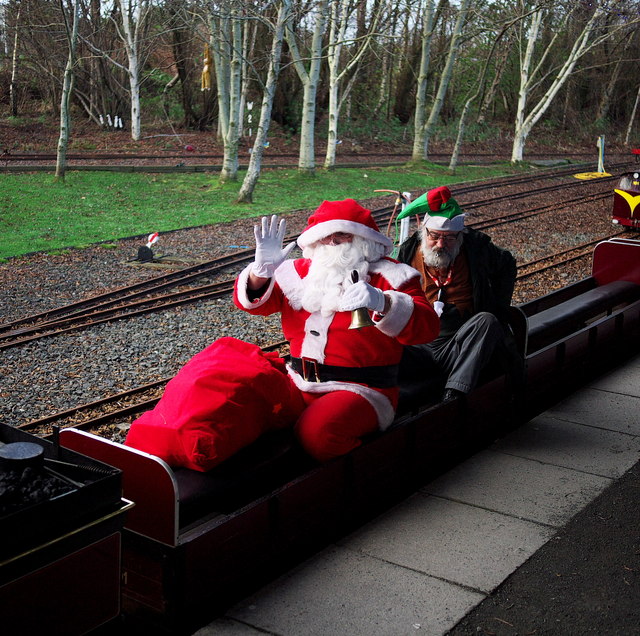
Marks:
<point>27,487</point>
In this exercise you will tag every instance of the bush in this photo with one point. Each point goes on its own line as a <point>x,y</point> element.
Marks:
<point>157,106</point>
<point>376,128</point>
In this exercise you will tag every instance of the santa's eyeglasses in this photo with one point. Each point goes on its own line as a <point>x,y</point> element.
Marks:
<point>445,238</point>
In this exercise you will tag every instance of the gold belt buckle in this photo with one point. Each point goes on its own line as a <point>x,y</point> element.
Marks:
<point>306,362</point>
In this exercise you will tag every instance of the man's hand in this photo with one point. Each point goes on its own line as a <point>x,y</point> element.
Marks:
<point>269,252</point>
<point>362,294</point>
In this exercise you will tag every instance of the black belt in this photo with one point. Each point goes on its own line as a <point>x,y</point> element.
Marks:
<point>381,377</point>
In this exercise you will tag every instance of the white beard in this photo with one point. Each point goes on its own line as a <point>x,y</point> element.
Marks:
<point>440,258</point>
<point>330,272</point>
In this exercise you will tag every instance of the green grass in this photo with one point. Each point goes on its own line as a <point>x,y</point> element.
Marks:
<point>39,214</point>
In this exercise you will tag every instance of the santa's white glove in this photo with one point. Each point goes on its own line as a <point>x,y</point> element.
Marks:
<point>362,294</point>
<point>269,252</point>
<point>438,306</point>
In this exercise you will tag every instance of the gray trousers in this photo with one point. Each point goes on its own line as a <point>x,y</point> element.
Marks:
<point>459,360</point>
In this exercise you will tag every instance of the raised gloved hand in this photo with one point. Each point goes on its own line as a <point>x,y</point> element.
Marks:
<point>362,294</point>
<point>269,252</point>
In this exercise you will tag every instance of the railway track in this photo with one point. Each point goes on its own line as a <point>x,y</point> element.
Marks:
<point>562,257</point>
<point>111,416</point>
<point>10,157</point>
<point>151,295</point>
<point>103,416</point>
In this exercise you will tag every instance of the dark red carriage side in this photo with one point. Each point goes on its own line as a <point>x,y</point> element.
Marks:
<point>626,201</point>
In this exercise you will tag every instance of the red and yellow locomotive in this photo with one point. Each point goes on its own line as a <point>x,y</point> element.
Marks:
<point>626,201</point>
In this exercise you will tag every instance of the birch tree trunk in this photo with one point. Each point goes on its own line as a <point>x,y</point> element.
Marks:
<point>67,87</point>
<point>226,50</point>
<point>631,119</point>
<point>339,21</point>
<point>453,163</point>
<point>454,46</point>
<point>231,136</point>
<point>525,70</point>
<point>133,14</point>
<point>253,171</point>
<point>309,79</point>
<point>607,93</point>
<point>421,89</point>
<point>13,86</point>
<point>525,123</point>
<point>248,44</point>
<point>337,28</point>
<point>219,43</point>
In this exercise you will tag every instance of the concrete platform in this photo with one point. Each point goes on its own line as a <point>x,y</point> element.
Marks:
<point>447,559</point>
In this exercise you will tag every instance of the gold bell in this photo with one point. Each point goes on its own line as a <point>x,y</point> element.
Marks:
<point>359,317</point>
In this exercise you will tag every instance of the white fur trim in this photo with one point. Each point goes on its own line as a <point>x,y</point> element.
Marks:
<point>380,402</point>
<point>396,319</point>
<point>456,224</point>
<point>314,344</point>
<point>397,274</point>
<point>322,230</point>
<point>243,280</point>
<point>290,283</point>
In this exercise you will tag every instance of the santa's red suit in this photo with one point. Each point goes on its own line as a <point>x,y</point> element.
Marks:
<point>340,383</point>
<point>358,393</point>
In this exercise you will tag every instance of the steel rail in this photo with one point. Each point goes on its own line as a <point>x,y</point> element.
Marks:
<point>163,281</point>
<point>39,156</point>
<point>104,403</point>
<point>525,214</point>
<point>118,414</point>
<point>175,300</point>
<point>530,193</point>
<point>562,253</point>
<point>95,310</point>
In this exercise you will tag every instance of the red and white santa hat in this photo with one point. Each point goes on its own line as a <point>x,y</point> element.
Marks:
<point>342,216</point>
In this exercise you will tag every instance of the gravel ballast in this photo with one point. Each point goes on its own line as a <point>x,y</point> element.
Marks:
<point>61,372</point>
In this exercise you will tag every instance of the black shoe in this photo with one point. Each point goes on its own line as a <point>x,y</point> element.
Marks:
<point>451,394</point>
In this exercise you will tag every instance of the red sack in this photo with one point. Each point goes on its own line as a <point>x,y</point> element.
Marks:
<point>224,398</point>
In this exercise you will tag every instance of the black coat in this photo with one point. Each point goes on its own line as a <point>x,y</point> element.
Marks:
<point>492,270</point>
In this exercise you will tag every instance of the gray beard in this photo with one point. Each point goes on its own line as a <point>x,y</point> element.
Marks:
<point>439,258</point>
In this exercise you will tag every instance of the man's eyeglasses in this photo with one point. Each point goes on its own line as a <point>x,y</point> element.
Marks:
<point>445,238</point>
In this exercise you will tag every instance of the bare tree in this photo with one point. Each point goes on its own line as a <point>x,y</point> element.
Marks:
<point>634,110</point>
<point>340,14</point>
<point>480,87</point>
<point>226,49</point>
<point>423,75</point>
<point>183,38</point>
<point>609,85</point>
<point>253,171</point>
<point>309,78</point>
<point>434,116</point>
<point>133,15</point>
<point>592,34</point>
<point>67,86</point>
<point>13,86</point>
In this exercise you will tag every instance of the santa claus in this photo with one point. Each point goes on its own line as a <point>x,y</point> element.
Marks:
<point>344,381</point>
<point>339,384</point>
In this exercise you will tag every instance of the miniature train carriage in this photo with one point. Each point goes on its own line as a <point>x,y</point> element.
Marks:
<point>196,542</point>
<point>626,201</point>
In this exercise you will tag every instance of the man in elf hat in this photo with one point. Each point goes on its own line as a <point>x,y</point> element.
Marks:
<point>469,281</point>
<point>344,380</point>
